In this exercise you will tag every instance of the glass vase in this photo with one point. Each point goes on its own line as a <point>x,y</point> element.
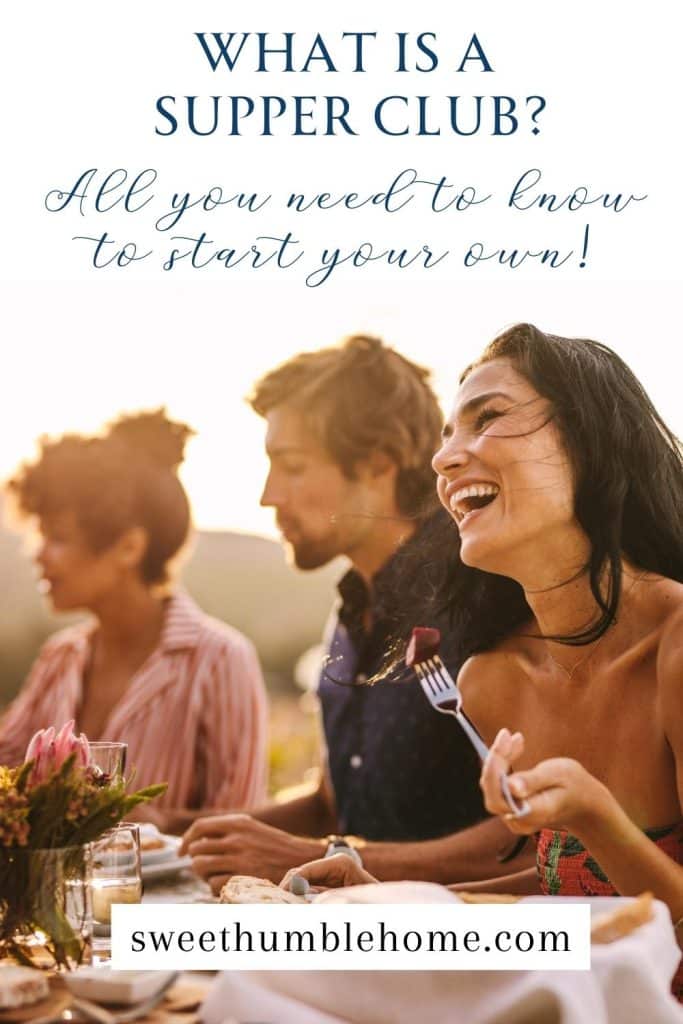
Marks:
<point>45,906</point>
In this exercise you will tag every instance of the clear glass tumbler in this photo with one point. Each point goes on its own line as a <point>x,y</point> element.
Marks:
<point>116,877</point>
<point>109,759</point>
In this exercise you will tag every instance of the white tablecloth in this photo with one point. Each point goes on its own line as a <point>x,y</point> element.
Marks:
<point>628,984</point>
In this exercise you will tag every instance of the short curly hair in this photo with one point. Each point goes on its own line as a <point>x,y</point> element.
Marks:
<point>359,397</point>
<point>124,477</point>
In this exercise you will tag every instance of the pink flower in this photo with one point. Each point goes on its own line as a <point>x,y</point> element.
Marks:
<point>49,751</point>
<point>67,743</point>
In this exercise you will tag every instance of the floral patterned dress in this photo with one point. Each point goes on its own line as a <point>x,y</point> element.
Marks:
<point>566,868</point>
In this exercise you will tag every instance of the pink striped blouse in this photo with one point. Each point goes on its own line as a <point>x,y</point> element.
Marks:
<point>194,715</point>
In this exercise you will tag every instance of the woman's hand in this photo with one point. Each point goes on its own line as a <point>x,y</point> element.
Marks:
<point>560,792</point>
<point>330,873</point>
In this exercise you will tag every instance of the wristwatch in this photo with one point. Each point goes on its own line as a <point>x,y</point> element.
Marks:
<point>340,844</point>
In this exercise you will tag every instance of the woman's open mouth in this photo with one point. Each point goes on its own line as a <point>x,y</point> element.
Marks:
<point>466,501</point>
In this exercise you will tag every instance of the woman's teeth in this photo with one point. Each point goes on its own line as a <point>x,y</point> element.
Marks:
<point>472,497</point>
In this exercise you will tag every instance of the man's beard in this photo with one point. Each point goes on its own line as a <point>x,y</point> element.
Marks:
<point>308,555</point>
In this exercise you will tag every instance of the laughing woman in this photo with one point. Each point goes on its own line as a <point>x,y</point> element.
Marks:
<point>561,477</point>
<point>149,668</point>
<point>567,491</point>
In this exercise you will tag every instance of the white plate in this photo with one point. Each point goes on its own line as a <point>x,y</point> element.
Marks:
<point>165,868</point>
<point>103,985</point>
<point>167,852</point>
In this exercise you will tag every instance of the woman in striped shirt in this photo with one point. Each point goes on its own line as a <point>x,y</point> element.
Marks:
<point>184,691</point>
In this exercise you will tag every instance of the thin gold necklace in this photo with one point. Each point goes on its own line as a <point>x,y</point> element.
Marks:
<point>586,658</point>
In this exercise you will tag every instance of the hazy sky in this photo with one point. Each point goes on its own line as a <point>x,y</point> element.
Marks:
<point>81,345</point>
<point>79,355</point>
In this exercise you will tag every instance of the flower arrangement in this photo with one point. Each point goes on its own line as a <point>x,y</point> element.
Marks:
<point>51,807</point>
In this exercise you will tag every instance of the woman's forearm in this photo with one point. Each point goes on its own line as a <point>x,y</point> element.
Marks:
<point>631,861</point>
<point>522,883</point>
<point>470,855</point>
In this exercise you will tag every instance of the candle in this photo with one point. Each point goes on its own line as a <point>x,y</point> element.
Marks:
<point>106,891</point>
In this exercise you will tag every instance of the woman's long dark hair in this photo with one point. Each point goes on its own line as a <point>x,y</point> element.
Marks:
<point>628,469</point>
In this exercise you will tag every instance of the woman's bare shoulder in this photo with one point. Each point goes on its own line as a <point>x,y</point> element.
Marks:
<point>662,591</point>
<point>670,609</point>
<point>670,664</point>
<point>496,671</point>
<point>659,608</point>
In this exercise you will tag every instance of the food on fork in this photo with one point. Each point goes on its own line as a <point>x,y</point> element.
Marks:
<point>623,920</point>
<point>246,889</point>
<point>424,644</point>
<point>21,986</point>
<point>442,692</point>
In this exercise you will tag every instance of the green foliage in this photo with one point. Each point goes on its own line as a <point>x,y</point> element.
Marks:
<point>46,824</point>
<point>72,807</point>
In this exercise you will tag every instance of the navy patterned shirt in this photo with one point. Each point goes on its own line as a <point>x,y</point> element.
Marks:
<point>399,769</point>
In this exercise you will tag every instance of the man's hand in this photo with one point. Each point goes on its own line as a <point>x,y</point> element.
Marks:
<point>237,844</point>
<point>330,873</point>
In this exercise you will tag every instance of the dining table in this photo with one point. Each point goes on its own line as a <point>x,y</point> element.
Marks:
<point>181,1003</point>
<point>628,982</point>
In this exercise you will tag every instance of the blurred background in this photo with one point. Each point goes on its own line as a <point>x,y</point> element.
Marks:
<point>77,357</point>
<point>242,579</point>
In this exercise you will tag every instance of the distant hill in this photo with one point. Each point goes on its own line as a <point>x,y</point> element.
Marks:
<point>241,579</point>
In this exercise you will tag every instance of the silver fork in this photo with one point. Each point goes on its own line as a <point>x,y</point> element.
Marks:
<point>443,694</point>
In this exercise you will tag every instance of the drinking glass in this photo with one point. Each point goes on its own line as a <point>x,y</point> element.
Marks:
<point>116,876</point>
<point>109,758</point>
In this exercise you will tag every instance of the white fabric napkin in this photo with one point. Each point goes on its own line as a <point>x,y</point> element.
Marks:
<point>628,984</point>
